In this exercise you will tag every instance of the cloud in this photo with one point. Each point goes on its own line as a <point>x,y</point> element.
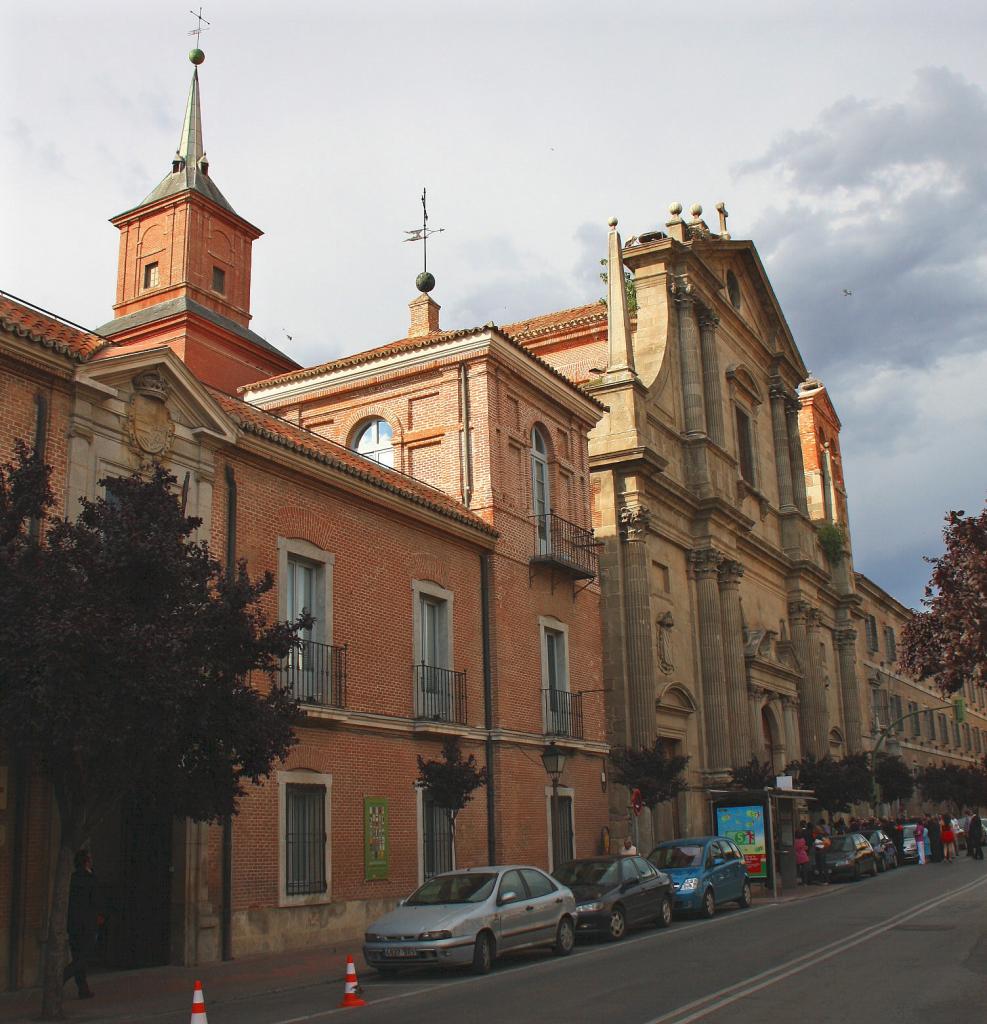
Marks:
<point>888,200</point>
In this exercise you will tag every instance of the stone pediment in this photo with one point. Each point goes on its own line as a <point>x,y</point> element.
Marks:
<point>770,655</point>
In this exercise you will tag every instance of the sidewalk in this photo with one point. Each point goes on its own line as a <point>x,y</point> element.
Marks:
<point>134,996</point>
<point>763,894</point>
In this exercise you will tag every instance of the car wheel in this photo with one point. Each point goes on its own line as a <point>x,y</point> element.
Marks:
<point>746,899</point>
<point>483,953</point>
<point>618,923</point>
<point>664,918</point>
<point>708,908</point>
<point>565,937</point>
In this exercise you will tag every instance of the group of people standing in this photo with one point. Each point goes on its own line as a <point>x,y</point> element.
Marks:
<point>935,837</point>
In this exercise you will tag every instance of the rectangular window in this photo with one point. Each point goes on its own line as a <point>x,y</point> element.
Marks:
<point>943,731</point>
<point>315,671</point>
<point>870,628</point>
<point>967,742</point>
<point>437,854</point>
<point>219,280</point>
<point>896,711</point>
<point>914,721</point>
<point>889,643</point>
<point>930,725</point>
<point>745,446</point>
<point>305,840</point>
<point>439,691</point>
<point>956,735</point>
<point>881,709</point>
<point>150,275</point>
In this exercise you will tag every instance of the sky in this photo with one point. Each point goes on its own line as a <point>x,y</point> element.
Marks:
<point>847,140</point>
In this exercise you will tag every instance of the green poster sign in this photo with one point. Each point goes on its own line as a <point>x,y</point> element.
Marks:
<point>376,845</point>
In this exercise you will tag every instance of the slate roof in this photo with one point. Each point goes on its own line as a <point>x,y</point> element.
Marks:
<point>189,178</point>
<point>183,304</point>
<point>547,323</point>
<point>46,329</point>
<point>320,449</point>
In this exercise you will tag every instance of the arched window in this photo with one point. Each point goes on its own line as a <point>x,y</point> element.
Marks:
<point>375,441</point>
<point>540,495</point>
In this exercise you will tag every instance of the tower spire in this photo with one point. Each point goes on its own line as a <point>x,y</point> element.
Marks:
<point>190,150</point>
<point>620,356</point>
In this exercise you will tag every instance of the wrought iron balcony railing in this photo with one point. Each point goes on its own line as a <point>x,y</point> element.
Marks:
<point>563,713</point>
<point>316,674</point>
<point>440,694</point>
<point>565,546</point>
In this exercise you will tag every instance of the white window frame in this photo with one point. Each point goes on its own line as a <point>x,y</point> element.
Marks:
<point>324,561</point>
<point>302,777</point>
<point>563,791</point>
<point>548,623</point>
<point>426,588</point>
<point>539,463</point>
<point>383,456</point>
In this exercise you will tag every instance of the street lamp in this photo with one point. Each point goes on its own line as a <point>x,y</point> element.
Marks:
<point>554,761</point>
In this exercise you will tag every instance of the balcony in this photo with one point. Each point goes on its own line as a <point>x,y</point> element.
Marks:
<point>316,674</point>
<point>440,694</point>
<point>564,546</point>
<point>563,713</point>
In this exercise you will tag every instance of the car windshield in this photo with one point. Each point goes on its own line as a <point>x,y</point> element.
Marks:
<point>873,837</point>
<point>465,888</point>
<point>842,843</point>
<point>686,856</point>
<point>589,872</point>
<point>908,832</point>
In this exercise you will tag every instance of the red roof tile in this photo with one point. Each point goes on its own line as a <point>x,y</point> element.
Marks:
<point>47,329</point>
<point>578,316</point>
<point>321,449</point>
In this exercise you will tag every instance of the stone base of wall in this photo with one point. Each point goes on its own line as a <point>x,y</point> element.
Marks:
<point>278,929</point>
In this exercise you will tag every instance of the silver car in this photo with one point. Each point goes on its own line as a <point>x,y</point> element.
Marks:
<point>471,917</point>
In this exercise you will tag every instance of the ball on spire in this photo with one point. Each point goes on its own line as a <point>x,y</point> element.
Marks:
<point>196,56</point>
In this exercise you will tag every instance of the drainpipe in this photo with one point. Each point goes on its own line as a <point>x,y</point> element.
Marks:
<point>227,915</point>
<point>485,559</point>
<point>464,415</point>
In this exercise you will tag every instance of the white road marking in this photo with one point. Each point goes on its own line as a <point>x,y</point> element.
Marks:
<point>732,993</point>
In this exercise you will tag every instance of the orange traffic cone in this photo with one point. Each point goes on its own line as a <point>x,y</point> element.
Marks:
<point>350,997</point>
<point>198,1006</point>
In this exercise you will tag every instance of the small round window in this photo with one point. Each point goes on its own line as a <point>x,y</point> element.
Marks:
<point>733,289</point>
<point>375,441</point>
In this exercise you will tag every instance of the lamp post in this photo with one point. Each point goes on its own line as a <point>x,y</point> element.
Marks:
<point>554,761</point>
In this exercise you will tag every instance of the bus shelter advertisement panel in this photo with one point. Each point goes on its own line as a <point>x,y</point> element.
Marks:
<point>745,826</point>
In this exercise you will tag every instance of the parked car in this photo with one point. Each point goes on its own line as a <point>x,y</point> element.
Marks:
<point>909,851</point>
<point>615,893</point>
<point>887,855</point>
<point>470,917</point>
<point>850,856</point>
<point>706,871</point>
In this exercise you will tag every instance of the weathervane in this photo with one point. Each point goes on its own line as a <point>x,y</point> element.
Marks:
<point>198,30</point>
<point>425,281</point>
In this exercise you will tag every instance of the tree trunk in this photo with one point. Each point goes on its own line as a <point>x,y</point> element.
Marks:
<point>55,950</point>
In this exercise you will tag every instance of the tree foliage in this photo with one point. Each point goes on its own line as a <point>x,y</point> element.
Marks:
<point>452,779</point>
<point>948,642</point>
<point>650,770</point>
<point>125,657</point>
<point>837,783</point>
<point>957,786</point>
<point>753,775</point>
<point>630,288</point>
<point>894,778</point>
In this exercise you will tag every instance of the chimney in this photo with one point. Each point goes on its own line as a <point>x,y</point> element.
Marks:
<point>424,316</point>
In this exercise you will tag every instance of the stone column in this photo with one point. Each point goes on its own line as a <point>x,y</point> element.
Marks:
<point>690,364</point>
<point>816,687</point>
<point>755,696</point>
<point>637,617</point>
<point>783,456</point>
<point>734,665</point>
<point>798,613</point>
<point>705,567</point>
<point>708,322</point>
<point>789,709</point>
<point>846,650</point>
<point>795,451</point>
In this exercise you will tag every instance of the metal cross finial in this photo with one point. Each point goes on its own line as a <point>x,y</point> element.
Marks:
<point>423,233</point>
<point>198,30</point>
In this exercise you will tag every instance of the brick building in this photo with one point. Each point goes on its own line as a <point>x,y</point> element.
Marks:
<point>428,501</point>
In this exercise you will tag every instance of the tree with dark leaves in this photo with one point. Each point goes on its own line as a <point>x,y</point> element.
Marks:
<point>894,777</point>
<point>650,770</point>
<point>753,775</point>
<point>948,642</point>
<point>837,783</point>
<point>451,780</point>
<point>957,786</point>
<point>125,660</point>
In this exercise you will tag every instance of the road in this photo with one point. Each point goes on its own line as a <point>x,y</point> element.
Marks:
<point>907,946</point>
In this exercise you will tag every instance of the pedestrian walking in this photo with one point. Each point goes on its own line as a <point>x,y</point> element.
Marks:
<point>802,861</point>
<point>83,918</point>
<point>920,841</point>
<point>820,844</point>
<point>935,838</point>
<point>948,840</point>
<point>975,836</point>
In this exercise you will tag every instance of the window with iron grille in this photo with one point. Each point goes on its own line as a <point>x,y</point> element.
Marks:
<point>896,710</point>
<point>967,741</point>
<point>957,742</point>
<point>889,643</point>
<point>943,730</point>
<point>870,628</point>
<point>562,825</point>
<point>437,853</point>
<point>881,709</point>
<point>930,725</point>
<point>305,840</point>
<point>916,724</point>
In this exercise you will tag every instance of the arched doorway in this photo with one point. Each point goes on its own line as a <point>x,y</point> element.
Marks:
<point>772,746</point>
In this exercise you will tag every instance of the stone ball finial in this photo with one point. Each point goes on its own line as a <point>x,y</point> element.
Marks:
<point>696,209</point>
<point>196,56</point>
<point>612,222</point>
<point>675,209</point>
<point>425,282</point>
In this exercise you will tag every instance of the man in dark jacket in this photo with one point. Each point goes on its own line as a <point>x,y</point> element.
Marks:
<point>975,836</point>
<point>82,922</point>
<point>935,839</point>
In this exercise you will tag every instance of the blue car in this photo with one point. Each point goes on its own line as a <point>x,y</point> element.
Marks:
<point>706,871</point>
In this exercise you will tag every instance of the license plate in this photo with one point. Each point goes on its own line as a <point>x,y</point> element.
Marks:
<point>398,952</point>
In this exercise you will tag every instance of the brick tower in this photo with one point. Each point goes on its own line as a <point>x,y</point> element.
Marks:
<point>184,271</point>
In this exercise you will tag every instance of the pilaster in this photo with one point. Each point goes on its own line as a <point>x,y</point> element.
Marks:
<point>846,651</point>
<point>642,687</point>
<point>734,665</point>
<point>705,564</point>
<point>708,322</point>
